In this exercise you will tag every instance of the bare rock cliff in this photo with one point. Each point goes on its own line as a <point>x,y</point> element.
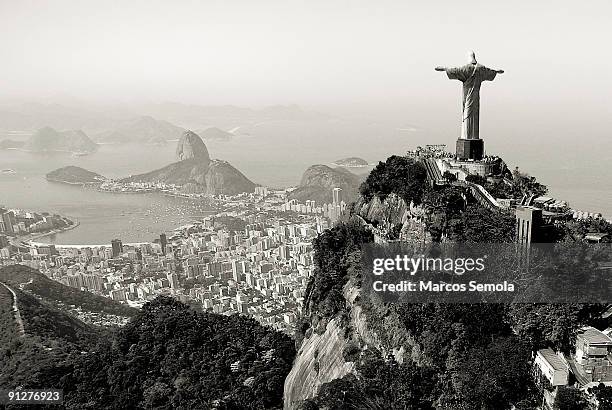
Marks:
<point>318,361</point>
<point>330,343</point>
<point>191,146</point>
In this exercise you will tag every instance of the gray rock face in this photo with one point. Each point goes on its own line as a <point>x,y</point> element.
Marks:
<point>318,361</point>
<point>191,146</point>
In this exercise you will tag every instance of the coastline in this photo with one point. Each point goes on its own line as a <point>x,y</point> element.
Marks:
<point>82,246</point>
<point>59,181</point>
<point>30,238</point>
<point>96,186</point>
<point>45,238</point>
<point>74,224</point>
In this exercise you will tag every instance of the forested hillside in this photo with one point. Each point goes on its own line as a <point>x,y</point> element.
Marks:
<point>167,356</point>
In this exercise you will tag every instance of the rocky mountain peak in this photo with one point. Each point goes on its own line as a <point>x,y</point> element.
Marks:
<point>190,146</point>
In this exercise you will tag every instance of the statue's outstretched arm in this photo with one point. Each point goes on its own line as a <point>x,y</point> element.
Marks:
<point>440,68</point>
<point>499,71</point>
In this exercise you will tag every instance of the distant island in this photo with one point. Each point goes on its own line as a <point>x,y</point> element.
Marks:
<point>351,162</point>
<point>216,134</point>
<point>75,176</point>
<point>48,139</point>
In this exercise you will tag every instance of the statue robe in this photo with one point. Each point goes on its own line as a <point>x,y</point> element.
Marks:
<point>472,75</point>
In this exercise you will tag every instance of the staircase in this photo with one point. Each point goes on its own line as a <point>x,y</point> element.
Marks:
<point>434,175</point>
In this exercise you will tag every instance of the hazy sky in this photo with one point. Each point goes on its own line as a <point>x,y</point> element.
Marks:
<point>373,60</point>
<point>370,58</point>
<point>305,52</point>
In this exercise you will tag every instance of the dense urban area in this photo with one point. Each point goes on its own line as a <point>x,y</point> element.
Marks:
<point>253,257</point>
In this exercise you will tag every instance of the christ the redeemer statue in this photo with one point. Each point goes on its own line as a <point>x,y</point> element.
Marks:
<point>469,145</point>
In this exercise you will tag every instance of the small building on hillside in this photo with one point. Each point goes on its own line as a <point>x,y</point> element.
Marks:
<point>593,350</point>
<point>462,169</point>
<point>552,366</point>
<point>551,370</point>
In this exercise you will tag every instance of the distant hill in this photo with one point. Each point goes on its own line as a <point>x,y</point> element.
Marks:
<point>75,176</point>
<point>144,129</point>
<point>59,295</point>
<point>196,172</point>
<point>215,134</point>
<point>351,162</point>
<point>48,139</point>
<point>319,181</point>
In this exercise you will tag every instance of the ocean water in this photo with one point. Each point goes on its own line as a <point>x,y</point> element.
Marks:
<point>102,216</point>
<point>274,154</point>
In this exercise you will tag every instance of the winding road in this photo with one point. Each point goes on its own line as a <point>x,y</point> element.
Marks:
<point>17,313</point>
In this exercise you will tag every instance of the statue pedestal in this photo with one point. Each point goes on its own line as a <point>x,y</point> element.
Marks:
<point>470,149</point>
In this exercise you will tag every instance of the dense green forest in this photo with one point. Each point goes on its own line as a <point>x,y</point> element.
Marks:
<point>168,356</point>
<point>400,175</point>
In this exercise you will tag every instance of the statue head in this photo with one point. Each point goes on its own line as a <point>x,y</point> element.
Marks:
<point>472,57</point>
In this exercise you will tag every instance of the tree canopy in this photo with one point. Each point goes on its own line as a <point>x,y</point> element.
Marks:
<point>168,356</point>
<point>400,175</point>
